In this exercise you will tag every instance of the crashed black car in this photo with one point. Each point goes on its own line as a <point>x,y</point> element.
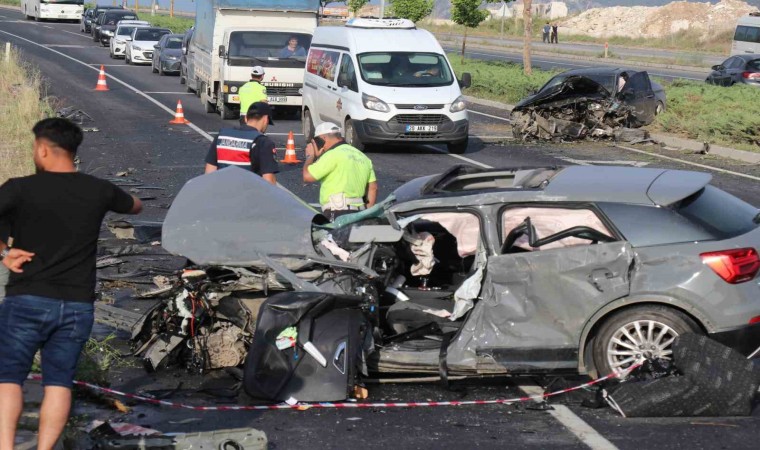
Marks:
<point>589,103</point>
<point>470,272</point>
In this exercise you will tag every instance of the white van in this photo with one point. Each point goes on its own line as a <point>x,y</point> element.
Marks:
<point>747,35</point>
<point>385,82</point>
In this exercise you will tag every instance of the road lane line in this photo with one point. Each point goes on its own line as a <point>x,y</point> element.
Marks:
<point>489,115</point>
<point>117,80</point>
<point>683,161</point>
<point>574,424</point>
<point>176,93</point>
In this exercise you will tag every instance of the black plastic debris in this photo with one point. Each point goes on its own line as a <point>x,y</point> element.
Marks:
<point>716,381</point>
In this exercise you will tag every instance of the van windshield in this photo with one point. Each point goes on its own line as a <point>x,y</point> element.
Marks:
<point>407,69</point>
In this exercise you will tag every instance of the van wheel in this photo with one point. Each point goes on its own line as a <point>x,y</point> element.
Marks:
<point>635,334</point>
<point>352,137</point>
<point>308,126</point>
<point>457,148</point>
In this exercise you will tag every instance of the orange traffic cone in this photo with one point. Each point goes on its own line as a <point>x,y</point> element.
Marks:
<point>102,86</point>
<point>179,116</point>
<point>290,151</point>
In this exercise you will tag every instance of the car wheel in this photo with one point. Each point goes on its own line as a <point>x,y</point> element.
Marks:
<point>160,70</point>
<point>352,137</point>
<point>635,334</point>
<point>660,109</point>
<point>457,148</point>
<point>182,79</point>
<point>153,67</point>
<point>126,58</point>
<point>308,126</point>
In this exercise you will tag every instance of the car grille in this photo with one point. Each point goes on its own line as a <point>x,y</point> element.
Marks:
<point>148,55</point>
<point>413,106</point>
<point>420,119</point>
<point>291,89</point>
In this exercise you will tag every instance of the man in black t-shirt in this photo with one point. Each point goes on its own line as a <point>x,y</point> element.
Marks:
<point>55,218</point>
<point>246,146</point>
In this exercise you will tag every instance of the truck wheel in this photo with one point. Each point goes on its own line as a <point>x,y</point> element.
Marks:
<point>308,126</point>
<point>634,334</point>
<point>227,113</point>
<point>208,106</point>
<point>457,148</point>
<point>182,79</point>
<point>352,137</point>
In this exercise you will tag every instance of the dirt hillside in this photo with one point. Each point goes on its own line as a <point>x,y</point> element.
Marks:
<point>661,21</point>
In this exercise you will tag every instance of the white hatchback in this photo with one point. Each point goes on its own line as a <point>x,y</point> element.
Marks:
<point>123,34</point>
<point>139,49</point>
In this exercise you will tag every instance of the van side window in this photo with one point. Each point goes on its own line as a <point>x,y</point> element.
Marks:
<point>747,34</point>
<point>323,63</point>
<point>347,74</point>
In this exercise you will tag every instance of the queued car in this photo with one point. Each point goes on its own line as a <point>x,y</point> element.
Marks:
<point>85,20</point>
<point>95,12</point>
<point>106,25</point>
<point>122,35</point>
<point>139,49</point>
<point>577,269</point>
<point>591,102</point>
<point>739,69</point>
<point>183,64</point>
<point>167,54</point>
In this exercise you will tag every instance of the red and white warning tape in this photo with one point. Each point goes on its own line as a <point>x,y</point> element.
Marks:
<point>344,405</point>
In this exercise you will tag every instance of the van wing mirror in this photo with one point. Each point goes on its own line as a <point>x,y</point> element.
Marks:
<point>466,80</point>
<point>222,51</point>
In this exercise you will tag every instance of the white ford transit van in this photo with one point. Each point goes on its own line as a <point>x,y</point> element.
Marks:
<point>384,82</point>
<point>747,35</point>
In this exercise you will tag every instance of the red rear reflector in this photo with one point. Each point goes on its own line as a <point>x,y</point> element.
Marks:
<point>734,266</point>
<point>754,320</point>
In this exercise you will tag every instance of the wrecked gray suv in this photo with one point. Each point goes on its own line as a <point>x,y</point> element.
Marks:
<point>505,271</point>
<point>589,103</point>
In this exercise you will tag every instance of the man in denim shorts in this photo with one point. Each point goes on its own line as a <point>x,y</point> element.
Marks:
<point>55,218</point>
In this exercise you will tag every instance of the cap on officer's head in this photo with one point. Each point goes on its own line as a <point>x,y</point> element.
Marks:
<point>260,109</point>
<point>257,71</point>
<point>327,128</point>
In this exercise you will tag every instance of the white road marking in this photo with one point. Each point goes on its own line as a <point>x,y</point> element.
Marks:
<point>573,423</point>
<point>81,35</point>
<point>703,166</point>
<point>65,46</point>
<point>117,80</point>
<point>585,162</point>
<point>111,65</point>
<point>45,26</point>
<point>489,115</point>
<point>176,93</point>
<point>463,158</point>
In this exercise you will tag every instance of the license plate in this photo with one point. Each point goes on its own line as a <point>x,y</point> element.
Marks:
<point>277,99</point>
<point>421,128</point>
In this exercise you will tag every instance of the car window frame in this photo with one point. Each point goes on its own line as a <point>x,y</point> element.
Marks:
<point>353,83</point>
<point>451,209</point>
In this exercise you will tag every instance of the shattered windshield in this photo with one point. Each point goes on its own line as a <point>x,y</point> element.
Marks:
<point>405,69</point>
<point>267,48</point>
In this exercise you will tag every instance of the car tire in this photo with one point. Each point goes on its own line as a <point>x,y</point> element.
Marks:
<point>126,59</point>
<point>352,137</point>
<point>457,148</point>
<point>659,109</point>
<point>182,79</point>
<point>161,72</point>
<point>615,335</point>
<point>153,68</point>
<point>308,126</point>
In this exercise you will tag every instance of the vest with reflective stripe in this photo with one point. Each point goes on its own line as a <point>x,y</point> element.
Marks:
<point>233,147</point>
<point>250,93</point>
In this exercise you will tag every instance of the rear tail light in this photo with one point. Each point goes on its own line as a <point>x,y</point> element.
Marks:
<point>751,75</point>
<point>754,320</point>
<point>734,266</point>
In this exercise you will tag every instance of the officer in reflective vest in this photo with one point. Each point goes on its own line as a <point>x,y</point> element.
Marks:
<point>348,181</point>
<point>246,146</point>
<point>252,92</point>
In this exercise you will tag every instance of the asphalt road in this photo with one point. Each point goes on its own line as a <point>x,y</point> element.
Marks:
<point>132,119</point>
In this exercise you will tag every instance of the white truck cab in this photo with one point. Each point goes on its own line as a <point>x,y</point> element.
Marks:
<point>747,35</point>
<point>385,82</point>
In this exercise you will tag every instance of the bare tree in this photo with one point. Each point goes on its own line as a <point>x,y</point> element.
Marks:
<point>528,24</point>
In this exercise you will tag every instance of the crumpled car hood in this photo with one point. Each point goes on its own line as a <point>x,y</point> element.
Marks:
<point>573,88</point>
<point>232,216</point>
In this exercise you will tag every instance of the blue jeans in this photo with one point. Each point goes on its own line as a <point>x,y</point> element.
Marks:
<point>58,328</point>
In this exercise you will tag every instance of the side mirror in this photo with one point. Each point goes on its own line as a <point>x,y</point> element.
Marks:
<point>156,46</point>
<point>718,67</point>
<point>128,38</point>
<point>222,51</point>
<point>466,80</point>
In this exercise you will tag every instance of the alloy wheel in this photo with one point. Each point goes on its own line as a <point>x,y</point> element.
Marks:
<point>638,340</point>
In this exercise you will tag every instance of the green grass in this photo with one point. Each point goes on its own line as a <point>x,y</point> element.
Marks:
<point>499,80</point>
<point>176,24</point>
<point>695,110</point>
<point>21,89</point>
<point>10,2</point>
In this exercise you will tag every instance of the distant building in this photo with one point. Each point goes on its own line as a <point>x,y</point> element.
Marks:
<point>548,10</point>
<point>499,10</point>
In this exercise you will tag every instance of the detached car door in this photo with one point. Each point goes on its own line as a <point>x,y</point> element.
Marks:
<point>638,94</point>
<point>557,267</point>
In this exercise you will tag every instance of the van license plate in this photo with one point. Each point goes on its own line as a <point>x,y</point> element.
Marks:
<point>277,99</point>
<point>421,128</point>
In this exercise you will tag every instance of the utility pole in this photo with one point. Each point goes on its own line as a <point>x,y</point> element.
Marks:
<point>503,12</point>
<point>382,8</point>
<point>171,8</point>
<point>153,8</point>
